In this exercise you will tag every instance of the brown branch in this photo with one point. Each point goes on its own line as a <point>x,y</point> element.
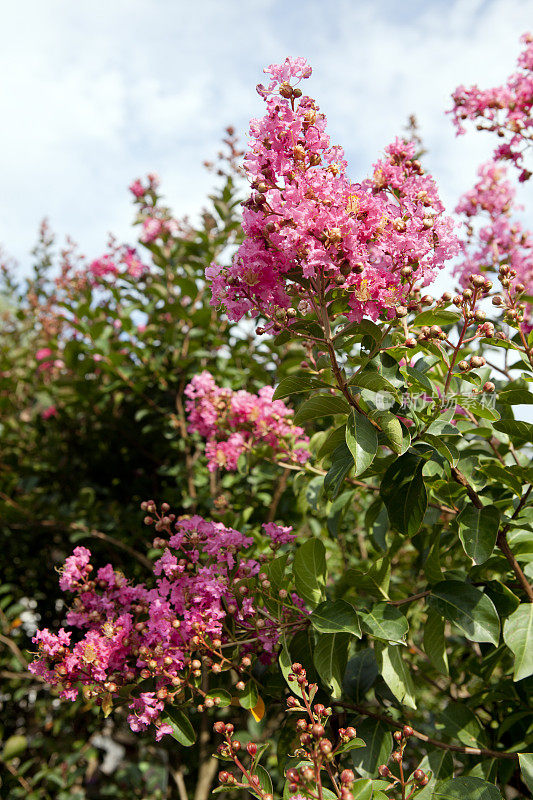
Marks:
<point>14,649</point>
<point>280,488</point>
<point>180,783</point>
<point>409,599</point>
<point>458,476</point>
<point>23,782</point>
<point>503,544</point>
<point>471,751</point>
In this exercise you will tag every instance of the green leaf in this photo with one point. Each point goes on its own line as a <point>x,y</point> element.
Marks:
<point>362,440</point>
<point>526,768</point>
<point>404,493</point>
<point>478,529</point>
<point>386,622</point>
<point>14,746</point>
<point>518,636</point>
<point>285,664</point>
<point>341,464</point>
<point>276,570</point>
<point>515,429</point>
<point>182,730</point>
<point>295,384</point>
<point>435,642</point>
<point>392,429</point>
<point>466,788</point>
<point>461,723</point>
<point>361,672</point>
<point>514,397</point>
<point>468,608</point>
<point>321,405</point>
<point>330,657</point>
<point>249,696</point>
<point>438,316</point>
<point>377,750</point>
<point>264,780</point>
<point>362,789</point>
<point>372,381</point>
<point>223,696</point>
<point>334,438</point>
<point>336,617</point>
<point>309,570</point>
<point>396,674</point>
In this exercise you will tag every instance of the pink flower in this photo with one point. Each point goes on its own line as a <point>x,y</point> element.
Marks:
<point>503,110</point>
<point>137,189</point>
<point>51,411</point>
<point>238,422</point>
<point>307,222</point>
<point>43,352</point>
<point>152,229</point>
<point>129,630</point>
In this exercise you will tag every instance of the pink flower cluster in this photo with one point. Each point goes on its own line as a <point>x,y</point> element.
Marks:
<point>46,361</point>
<point>124,261</point>
<point>499,239</point>
<point>155,219</point>
<point>504,110</point>
<point>198,608</point>
<point>310,231</point>
<point>236,422</point>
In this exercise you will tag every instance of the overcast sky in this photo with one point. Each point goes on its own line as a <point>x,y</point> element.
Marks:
<point>94,94</point>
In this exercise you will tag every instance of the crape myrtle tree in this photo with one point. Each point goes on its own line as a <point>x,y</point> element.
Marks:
<point>341,597</point>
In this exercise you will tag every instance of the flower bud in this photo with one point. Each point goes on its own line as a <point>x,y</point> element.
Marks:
<point>347,776</point>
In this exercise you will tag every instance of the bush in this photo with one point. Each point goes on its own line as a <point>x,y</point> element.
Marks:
<point>343,593</point>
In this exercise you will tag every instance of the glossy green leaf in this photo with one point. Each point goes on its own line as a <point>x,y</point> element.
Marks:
<point>309,570</point>
<point>478,529</point>
<point>362,441</point>
<point>516,430</point>
<point>341,464</point>
<point>526,768</point>
<point>466,788</point>
<point>518,636</point>
<point>468,608</point>
<point>386,622</point>
<point>336,617</point>
<point>295,384</point>
<point>396,673</point>
<point>330,657</point>
<point>404,493</point>
<point>182,729</point>
<point>435,642</point>
<point>321,405</point>
<point>249,697</point>
<point>378,747</point>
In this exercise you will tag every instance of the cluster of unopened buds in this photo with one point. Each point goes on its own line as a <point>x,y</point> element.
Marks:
<point>467,302</point>
<point>515,310</point>
<point>232,750</point>
<point>317,751</point>
<point>407,785</point>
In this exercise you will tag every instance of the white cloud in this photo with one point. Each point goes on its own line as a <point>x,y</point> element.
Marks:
<point>93,95</point>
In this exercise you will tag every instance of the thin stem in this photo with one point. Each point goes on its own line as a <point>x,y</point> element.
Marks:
<point>409,599</point>
<point>472,751</point>
<point>503,544</point>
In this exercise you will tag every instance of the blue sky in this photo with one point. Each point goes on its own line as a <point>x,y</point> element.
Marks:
<point>95,94</point>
